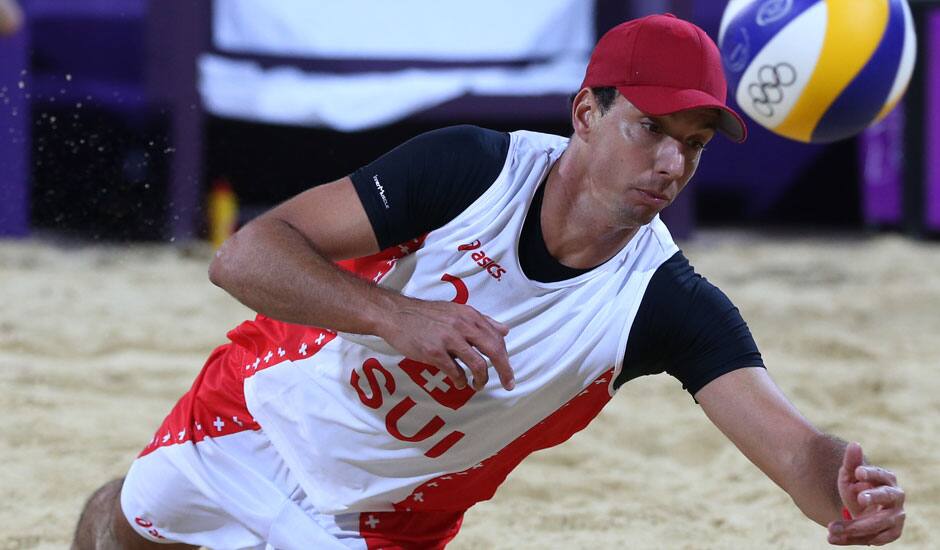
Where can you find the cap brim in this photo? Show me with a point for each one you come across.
(660, 100)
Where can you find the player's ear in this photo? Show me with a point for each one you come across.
(583, 112)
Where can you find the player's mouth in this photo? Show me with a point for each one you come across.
(654, 198)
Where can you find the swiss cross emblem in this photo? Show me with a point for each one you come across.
(436, 384)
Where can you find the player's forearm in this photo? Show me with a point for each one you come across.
(814, 487)
(271, 268)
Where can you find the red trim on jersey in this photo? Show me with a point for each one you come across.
(460, 490)
(404, 530)
(215, 404)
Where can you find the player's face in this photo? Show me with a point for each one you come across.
(640, 163)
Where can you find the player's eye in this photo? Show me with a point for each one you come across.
(696, 144)
(652, 127)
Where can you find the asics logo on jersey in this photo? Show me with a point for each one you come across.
(470, 246)
(495, 270)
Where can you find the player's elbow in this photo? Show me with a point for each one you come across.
(217, 270)
(229, 262)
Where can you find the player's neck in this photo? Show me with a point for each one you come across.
(577, 232)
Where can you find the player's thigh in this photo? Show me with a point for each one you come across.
(163, 501)
(128, 539)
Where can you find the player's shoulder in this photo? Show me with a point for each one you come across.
(676, 283)
(539, 140)
(467, 139)
(678, 290)
(676, 272)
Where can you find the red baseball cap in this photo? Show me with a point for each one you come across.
(662, 65)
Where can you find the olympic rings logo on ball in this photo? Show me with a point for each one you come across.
(772, 11)
(768, 91)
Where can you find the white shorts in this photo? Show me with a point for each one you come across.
(213, 479)
(228, 492)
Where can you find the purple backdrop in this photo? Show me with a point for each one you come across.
(932, 127)
(881, 154)
(14, 137)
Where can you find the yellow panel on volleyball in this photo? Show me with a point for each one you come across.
(848, 44)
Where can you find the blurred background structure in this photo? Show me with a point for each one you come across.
(120, 116)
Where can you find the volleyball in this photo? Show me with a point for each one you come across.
(817, 71)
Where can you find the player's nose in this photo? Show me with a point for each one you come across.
(670, 161)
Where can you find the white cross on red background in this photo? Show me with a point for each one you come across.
(435, 381)
(218, 424)
(372, 521)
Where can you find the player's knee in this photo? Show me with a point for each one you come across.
(94, 529)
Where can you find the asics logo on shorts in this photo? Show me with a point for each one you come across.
(148, 526)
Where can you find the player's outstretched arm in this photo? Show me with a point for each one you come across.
(281, 265)
(820, 472)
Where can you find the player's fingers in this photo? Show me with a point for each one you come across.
(493, 346)
(502, 328)
(450, 367)
(851, 461)
(876, 475)
(878, 539)
(885, 537)
(868, 525)
(475, 362)
(885, 495)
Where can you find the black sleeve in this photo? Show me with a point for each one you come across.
(427, 181)
(689, 328)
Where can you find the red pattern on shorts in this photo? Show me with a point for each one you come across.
(215, 404)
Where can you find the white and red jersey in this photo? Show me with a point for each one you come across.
(364, 428)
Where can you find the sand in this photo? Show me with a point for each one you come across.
(97, 343)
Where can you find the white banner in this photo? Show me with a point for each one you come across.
(445, 30)
(286, 95)
(554, 36)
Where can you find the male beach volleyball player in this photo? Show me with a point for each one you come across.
(540, 257)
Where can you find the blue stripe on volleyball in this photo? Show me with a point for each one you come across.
(864, 97)
(738, 50)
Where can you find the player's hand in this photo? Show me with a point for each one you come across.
(439, 333)
(874, 499)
